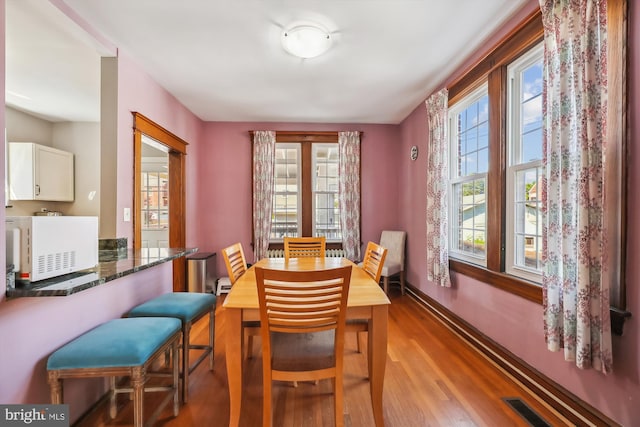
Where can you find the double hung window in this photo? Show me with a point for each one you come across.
(286, 218)
(469, 132)
(524, 171)
(494, 195)
(305, 199)
(495, 133)
(326, 206)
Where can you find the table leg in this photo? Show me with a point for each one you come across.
(233, 349)
(377, 359)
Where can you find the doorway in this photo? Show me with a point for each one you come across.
(159, 199)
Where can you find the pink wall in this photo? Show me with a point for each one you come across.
(222, 211)
(513, 322)
(138, 92)
(393, 196)
(32, 328)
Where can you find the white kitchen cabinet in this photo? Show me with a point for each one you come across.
(38, 172)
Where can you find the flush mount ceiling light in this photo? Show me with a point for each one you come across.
(306, 40)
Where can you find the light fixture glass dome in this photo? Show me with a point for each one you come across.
(306, 40)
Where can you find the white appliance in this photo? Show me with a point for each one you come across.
(51, 246)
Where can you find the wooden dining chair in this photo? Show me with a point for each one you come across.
(304, 247)
(303, 317)
(236, 266)
(235, 261)
(373, 263)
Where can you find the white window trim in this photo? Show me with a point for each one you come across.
(454, 180)
(314, 159)
(513, 116)
(298, 147)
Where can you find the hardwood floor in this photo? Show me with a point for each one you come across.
(433, 378)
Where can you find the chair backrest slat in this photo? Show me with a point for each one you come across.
(304, 247)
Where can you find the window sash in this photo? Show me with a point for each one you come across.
(317, 183)
(524, 146)
(524, 222)
(467, 213)
(468, 228)
(287, 198)
(325, 178)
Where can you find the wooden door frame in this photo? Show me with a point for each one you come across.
(177, 203)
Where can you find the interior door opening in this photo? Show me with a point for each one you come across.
(159, 193)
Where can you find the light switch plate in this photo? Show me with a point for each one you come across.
(127, 214)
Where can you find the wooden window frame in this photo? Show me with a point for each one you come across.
(306, 139)
(177, 198)
(492, 68)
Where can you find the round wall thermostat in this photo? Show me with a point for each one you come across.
(414, 152)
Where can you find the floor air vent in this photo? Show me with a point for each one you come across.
(526, 412)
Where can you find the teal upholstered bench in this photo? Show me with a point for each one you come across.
(120, 347)
(189, 307)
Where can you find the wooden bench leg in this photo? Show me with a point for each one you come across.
(176, 379)
(137, 382)
(185, 361)
(113, 409)
(212, 333)
(55, 386)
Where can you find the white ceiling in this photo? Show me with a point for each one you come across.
(223, 59)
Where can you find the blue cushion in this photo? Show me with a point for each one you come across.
(183, 305)
(116, 343)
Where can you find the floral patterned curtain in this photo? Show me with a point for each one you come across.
(264, 152)
(349, 193)
(575, 278)
(437, 178)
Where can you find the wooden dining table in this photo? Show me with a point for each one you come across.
(366, 301)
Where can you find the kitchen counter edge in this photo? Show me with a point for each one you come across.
(109, 268)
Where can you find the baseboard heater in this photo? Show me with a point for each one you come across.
(330, 253)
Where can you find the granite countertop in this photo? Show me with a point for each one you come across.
(113, 265)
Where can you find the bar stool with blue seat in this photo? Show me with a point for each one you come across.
(189, 307)
(121, 347)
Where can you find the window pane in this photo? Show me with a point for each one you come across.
(483, 160)
(285, 216)
(473, 138)
(155, 200)
(527, 222)
(326, 213)
(528, 121)
(469, 221)
(524, 232)
(532, 145)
